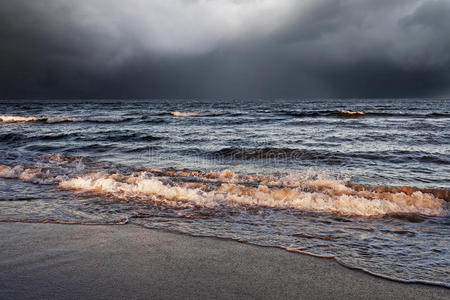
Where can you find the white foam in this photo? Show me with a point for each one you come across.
(34, 175)
(303, 192)
(195, 114)
(48, 119)
(58, 119)
(136, 186)
(20, 119)
(184, 114)
(336, 198)
(351, 112)
(347, 204)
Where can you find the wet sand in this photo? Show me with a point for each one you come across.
(52, 261)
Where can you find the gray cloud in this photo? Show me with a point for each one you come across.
(224, 48)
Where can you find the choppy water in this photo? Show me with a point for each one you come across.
(314, 176)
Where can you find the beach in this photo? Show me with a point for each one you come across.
(54, 261)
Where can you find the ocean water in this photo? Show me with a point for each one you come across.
(364, 182)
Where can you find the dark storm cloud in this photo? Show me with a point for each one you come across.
(224, 48)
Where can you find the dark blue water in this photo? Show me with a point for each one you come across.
(315, 176)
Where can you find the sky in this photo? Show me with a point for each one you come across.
(224, 49)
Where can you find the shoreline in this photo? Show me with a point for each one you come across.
(291, 250)
(42, 260)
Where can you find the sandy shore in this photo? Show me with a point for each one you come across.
(50, 261)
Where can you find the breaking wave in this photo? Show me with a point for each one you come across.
(310, 192)
(350, 114)
(48, 119)
(361, 114)
(62, 119)
(195, 114)
(328, 196)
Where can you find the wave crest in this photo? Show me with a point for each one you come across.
(325, 196)
(361, 114)
(194, 114)
(20, 119)
(61, 119)
(309, 191)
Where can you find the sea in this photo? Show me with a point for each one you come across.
(362, 181)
